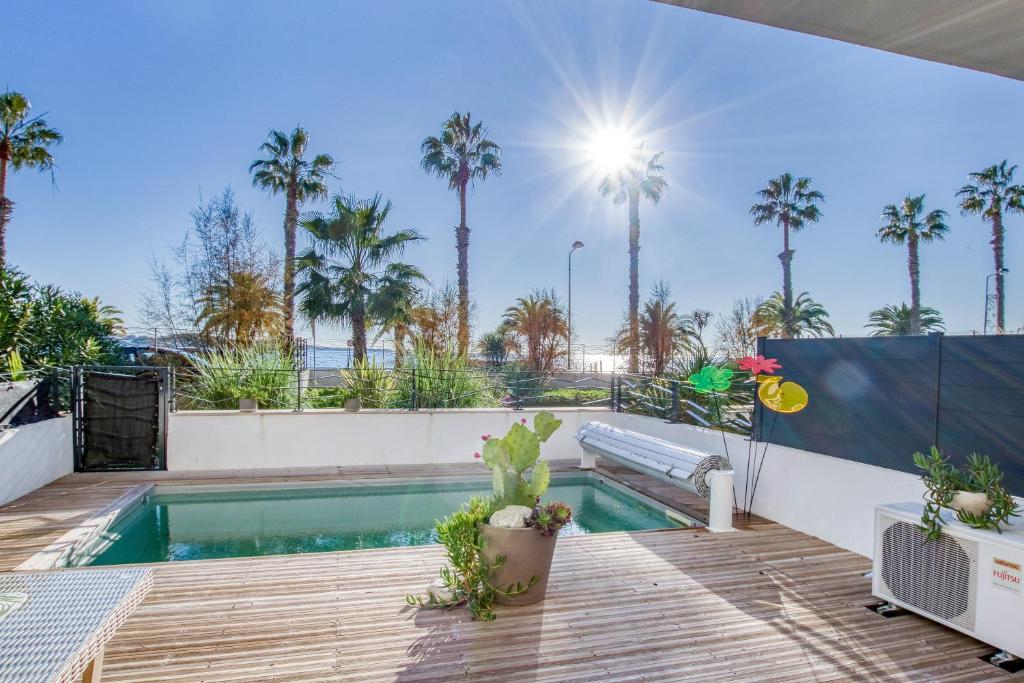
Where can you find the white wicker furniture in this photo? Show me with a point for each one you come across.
(58, 632)
(706, 474)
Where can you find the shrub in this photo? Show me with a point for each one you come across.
(444, 380)
(263, 371)
(44, 326)
(572, 396)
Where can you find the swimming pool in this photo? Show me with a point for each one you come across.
(174, 523)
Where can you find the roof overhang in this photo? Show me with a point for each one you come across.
(984, 35)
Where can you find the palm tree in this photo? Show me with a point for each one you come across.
(992, 194)
(350, 274)
(805, 318)
(105, 314)
(640, 177)
(664, 332)
(539, 321)
(790, 203)
(908, 224)
(461, 154)
(495, 346)
(895, 321)
(24, 143)
(243, 308)
(300, 180)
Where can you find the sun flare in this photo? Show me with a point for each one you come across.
(610, 149)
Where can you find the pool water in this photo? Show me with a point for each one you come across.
(167, 527)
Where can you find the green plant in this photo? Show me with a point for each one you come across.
(466, 580)
(42, 325)
(944, 480)
(444, 380)
(374, 385)
(572, 396)
(510, 456)
(263, 371)
(548, 519)
(325, 397)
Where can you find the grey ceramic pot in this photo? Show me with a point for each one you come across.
(527, 554)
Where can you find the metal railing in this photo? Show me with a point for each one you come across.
(417, 388)
(675, 400)
(406, 388)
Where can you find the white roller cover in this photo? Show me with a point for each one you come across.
(667, 460)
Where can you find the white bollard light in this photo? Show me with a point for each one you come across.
(720, 515)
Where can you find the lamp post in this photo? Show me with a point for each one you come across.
(568, 346)
(988, 302)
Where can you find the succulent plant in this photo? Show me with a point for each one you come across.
(512, 455)
(548, 519)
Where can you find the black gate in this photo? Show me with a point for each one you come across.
(120, 418)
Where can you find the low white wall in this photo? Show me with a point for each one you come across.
(34, 455)
(831, 498)
(215, 440)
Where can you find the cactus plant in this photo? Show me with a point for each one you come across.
(512, 455)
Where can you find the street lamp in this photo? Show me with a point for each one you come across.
(1001, 271)
(568, 347)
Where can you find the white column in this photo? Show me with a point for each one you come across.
(588, 460)
(720, 515)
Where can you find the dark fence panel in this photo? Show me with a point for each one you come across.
(877, 400)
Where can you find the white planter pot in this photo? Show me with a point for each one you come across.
(971, 502)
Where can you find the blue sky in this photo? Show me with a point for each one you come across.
(161, 101)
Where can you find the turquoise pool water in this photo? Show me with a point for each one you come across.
(167, 527)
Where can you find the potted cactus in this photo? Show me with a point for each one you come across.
(500, 549)
(509, 534)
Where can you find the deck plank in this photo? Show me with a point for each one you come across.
(765, 604)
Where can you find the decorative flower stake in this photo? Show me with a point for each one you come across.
(710, 379)
(759, 364)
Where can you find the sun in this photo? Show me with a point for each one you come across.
(610, 149)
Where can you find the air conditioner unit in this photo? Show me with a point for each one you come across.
(968, 579)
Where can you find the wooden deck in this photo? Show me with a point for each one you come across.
(765, 603)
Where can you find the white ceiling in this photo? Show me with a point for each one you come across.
(984, 35)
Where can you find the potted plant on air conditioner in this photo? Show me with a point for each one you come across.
(973, 492)
(500, 549)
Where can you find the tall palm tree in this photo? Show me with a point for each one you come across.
(909, 224)
(992, 194)
(792, 204)
(24, 143)
(805, 318)
(895, 321)
(241, 308)
(639, 178)
(462, 154)
(287, 172)
(350, 272)
(539, 321)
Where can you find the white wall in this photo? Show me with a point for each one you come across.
(34, 455)
(212, 440)
(831, 498)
